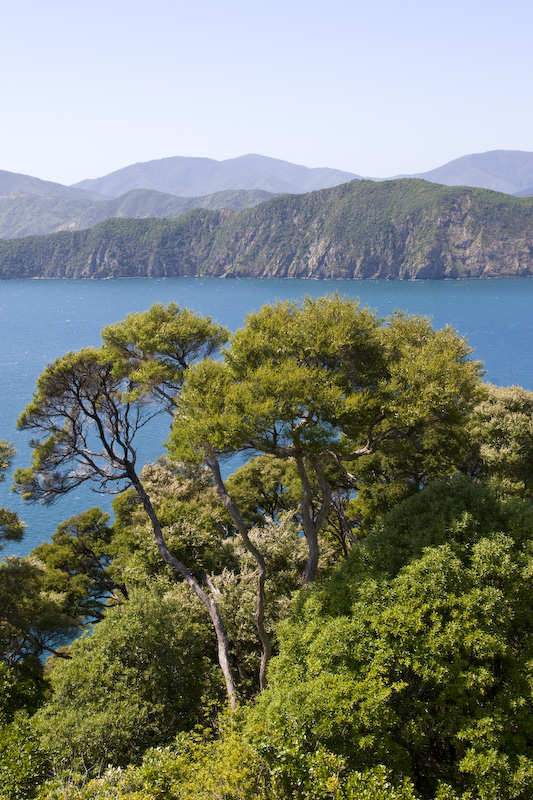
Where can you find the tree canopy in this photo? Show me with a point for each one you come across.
(425, 668)
(327, 384)
(11, 527)
(88, 415)
(370, 464)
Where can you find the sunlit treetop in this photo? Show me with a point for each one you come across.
(155, 347)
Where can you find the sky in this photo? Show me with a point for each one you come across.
(377, 88)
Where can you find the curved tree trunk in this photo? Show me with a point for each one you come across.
(259, 614)
(209, 602)
(312, 524)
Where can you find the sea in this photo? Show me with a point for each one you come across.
(41, 320)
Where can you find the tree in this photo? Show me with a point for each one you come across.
(323, 385)
(155, 348)
(11, 528)
(326, 385)
(319, 386)
(265, 486)
(23, 764)
(502, 435)
(88, 418)
(197, 529)
(424, 667)
(146, 672)
(199, 532)
(33, 622)
(77, 565)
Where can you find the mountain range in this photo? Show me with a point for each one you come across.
(167, 187)
(509, 171)
(35, 214)
(398, 229)
(188, 177)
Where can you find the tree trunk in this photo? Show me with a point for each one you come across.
(209, 602)
(311, 567)
(259, 614)
(311, 523)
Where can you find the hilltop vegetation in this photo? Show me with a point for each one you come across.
(345, 617)
(33, 214)
(168, 187)
(407, 229)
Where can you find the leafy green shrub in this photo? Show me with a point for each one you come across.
(140, 677)
(427, 671)
(22, 762)
(195, 767)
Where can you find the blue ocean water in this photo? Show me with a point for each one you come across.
(40, 320)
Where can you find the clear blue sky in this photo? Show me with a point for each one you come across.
(379, 87)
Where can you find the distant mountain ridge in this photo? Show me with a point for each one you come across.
(166, 188)
(14, 183)
(188, 177)
(402, 229)
(509, 171)
(31, 215)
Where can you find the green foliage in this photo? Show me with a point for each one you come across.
(197, 527)
(195, 766)
(32, 621)
(229, 767)
(6, 454)
(456, 512)
(331, 333)
(77, 565)
(350, 403)
(22, 762)
(431, 373)
(502, 430)
(134, 682)
(376, 784)
(265, 486)
(199, 530)
(297, 378)
(427, 401)
(155, 347)
(364, 229)
(22, 694)
(285, 556)
(23, 765)
(427, 672)
(11, 528)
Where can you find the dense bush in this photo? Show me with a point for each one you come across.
(140, 677)
(23, 763)
(427, 671)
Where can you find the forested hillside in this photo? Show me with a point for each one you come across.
(26, 214)
(347, 615)
(407, 229)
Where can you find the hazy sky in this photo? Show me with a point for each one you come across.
(379, 88)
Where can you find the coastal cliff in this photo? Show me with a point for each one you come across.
(400, 229)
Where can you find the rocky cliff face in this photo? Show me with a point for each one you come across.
(403, 229)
